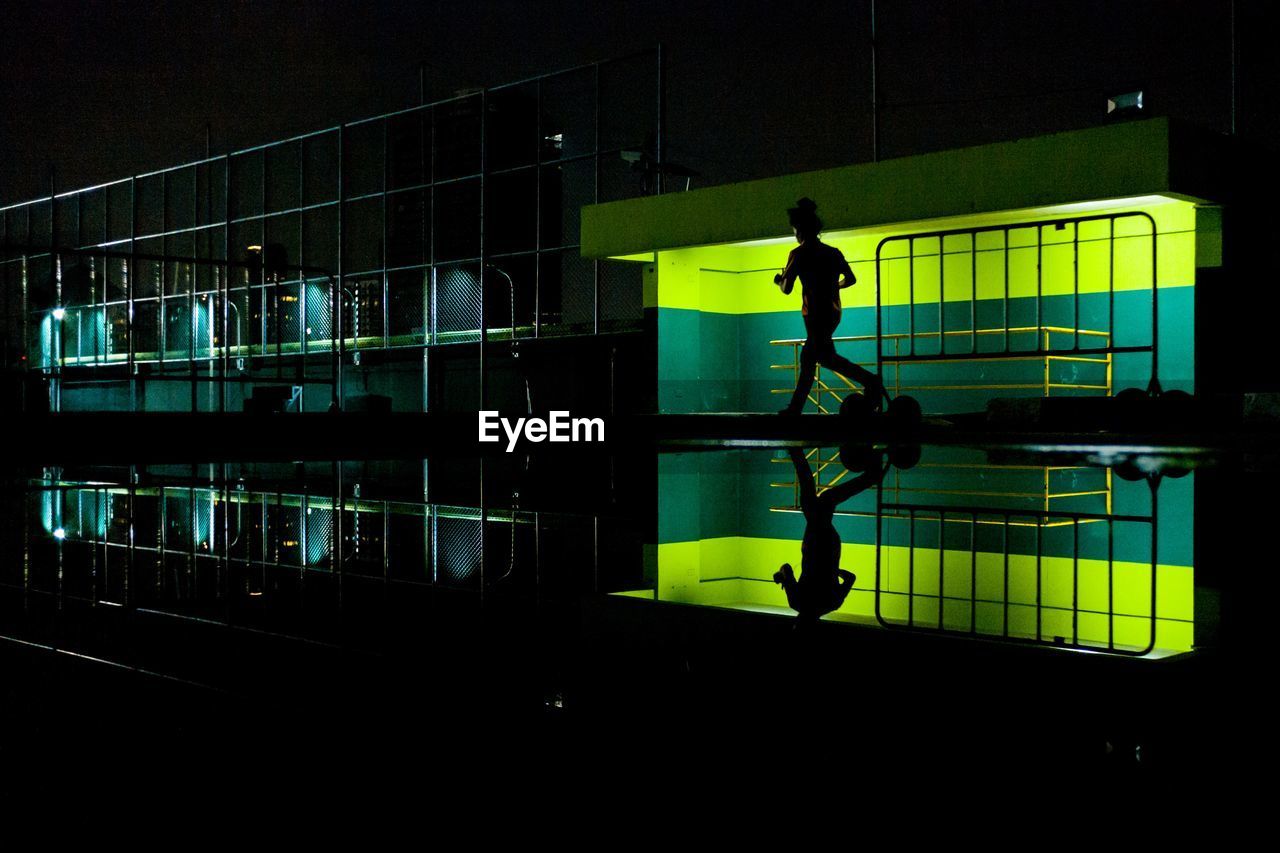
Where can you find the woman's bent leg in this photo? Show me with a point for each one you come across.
(804, 382)
(871, 384)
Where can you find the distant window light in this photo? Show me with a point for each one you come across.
(1128, 102)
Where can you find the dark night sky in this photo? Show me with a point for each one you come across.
(105, 89)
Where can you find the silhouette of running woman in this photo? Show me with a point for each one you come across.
(823, 585)
(823, 273)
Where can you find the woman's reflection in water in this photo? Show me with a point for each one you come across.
(822, 586)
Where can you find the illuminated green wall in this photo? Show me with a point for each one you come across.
(722, 534)
(737, 572)
(711, 254)
(718, 309)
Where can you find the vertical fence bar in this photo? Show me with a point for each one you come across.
(131, 541)
(262, 265)
(911, 566)
(537, 228)
(1039, 594)
(1155, 555)
(1039, 279)
(911, 296)
(1154, 386)
(80, 260)
(386, 167)
(162, 337)
(942, 295)
(1005, 309)
(1075, 286)
(337, 333)
(973, 573)
(336, 563)
(1111, 607)
(973, 292)
(942, 564)
(303, 335)
(226, 291)
(1004, 546)
(4, 289)
(56, 324)
(879, 322)
(192, 321)
(1111, 282)
(484, 325)
(1075, 582)
(25, 307)
(1043, 339)
(879, 511)
(429, 282)
(595, 264)
(129, 291)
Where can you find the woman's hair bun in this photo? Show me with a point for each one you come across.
(804, 216)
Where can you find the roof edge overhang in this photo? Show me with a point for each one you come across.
(1135, 158)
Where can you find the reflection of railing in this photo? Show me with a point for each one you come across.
(1037, 542)
(827, 396)
(1051, 615)
(1008, 329)
(129, 543)
(1050, 491)
(202, 583)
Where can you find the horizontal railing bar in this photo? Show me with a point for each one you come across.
(1019, 513)
(1065, 330)
(905, 359)
(1018, 226)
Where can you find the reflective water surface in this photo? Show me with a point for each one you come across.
(956, 603)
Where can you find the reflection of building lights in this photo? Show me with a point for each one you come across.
(60, 534)
(59, 313)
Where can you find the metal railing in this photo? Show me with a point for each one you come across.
(207, 333)
(1007, 330)
(394, 204)
(827, 396)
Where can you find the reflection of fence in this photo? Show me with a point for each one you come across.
(827, 395)
(1016, 552)
(927, 580)
(1019, 264)
(1034, 487)
(252, 557)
